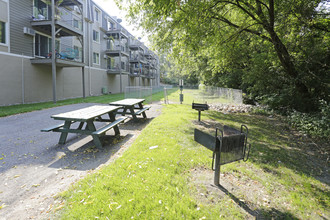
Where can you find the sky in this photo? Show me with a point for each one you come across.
(111, 8)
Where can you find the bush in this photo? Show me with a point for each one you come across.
(313, 124)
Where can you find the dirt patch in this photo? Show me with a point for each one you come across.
(34, 168)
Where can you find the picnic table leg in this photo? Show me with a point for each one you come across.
(143, 113)
(124, 111)
(80, 125)
(116, 128)
(96, 138)
(64, 134)
(131, 109)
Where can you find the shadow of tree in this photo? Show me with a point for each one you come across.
(274, 145)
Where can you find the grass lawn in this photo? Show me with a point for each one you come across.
(22, 108)
(166, 175)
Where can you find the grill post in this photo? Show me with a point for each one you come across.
(228, 147)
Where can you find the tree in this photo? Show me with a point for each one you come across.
(192, 30)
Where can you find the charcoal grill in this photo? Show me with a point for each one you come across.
(228, 145)
(200, 107)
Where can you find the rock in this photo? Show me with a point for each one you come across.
(230, 108)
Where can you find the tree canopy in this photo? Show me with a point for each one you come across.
(278, 52)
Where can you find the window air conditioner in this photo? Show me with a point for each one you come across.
(29, 31)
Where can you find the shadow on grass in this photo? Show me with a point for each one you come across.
(274, 145)
(258, 213)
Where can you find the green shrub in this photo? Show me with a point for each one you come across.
(313, 124)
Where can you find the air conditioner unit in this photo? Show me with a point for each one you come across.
(29, 31)
(105, 36)
(105, 56)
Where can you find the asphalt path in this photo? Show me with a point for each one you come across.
(34, 168)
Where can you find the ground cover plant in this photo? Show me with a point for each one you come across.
(166, 175)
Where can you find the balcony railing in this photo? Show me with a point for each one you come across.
(118, 48)
(116, 69)
(117, 31)
(72, 24)
(63, 52)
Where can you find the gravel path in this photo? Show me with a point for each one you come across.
(34, 168)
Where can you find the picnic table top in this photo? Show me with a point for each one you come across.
(85, 114)
(127, 102)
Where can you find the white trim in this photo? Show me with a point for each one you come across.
(98, 60)
(15, 55)
(99, 37)
(99, 14)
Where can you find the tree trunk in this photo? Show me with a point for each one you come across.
(290, 69)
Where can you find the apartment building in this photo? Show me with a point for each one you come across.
(94, 53)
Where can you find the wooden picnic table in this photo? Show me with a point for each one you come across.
(87, 116)
(130, 105)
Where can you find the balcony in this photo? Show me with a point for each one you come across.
(136, 45)
(115, 51)
(66, 23)
(137, 59)
(67, 57)
(135, 72)
(117, 33)
(117, 70)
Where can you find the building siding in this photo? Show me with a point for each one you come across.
(20, 17)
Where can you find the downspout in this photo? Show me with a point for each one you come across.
(23, 89)
(83, 53)
(89, 58)
(53, 52)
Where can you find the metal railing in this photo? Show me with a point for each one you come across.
(62, 14)
(62, 52)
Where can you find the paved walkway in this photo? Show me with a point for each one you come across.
(34, 168)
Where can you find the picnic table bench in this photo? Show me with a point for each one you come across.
(87, 116)
(130, 105)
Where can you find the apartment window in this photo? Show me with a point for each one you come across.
(97, 15)
(96, 58)
(110, 25)
(96, 36)
(75, 23)
(2, 32)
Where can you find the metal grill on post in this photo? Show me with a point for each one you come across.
(229, 146)
(200, 107)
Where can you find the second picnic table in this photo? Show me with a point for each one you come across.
(130, 105)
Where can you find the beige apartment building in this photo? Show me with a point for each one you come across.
(94, 53)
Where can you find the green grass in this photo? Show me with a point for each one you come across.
(23, 108)
(156, 183)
